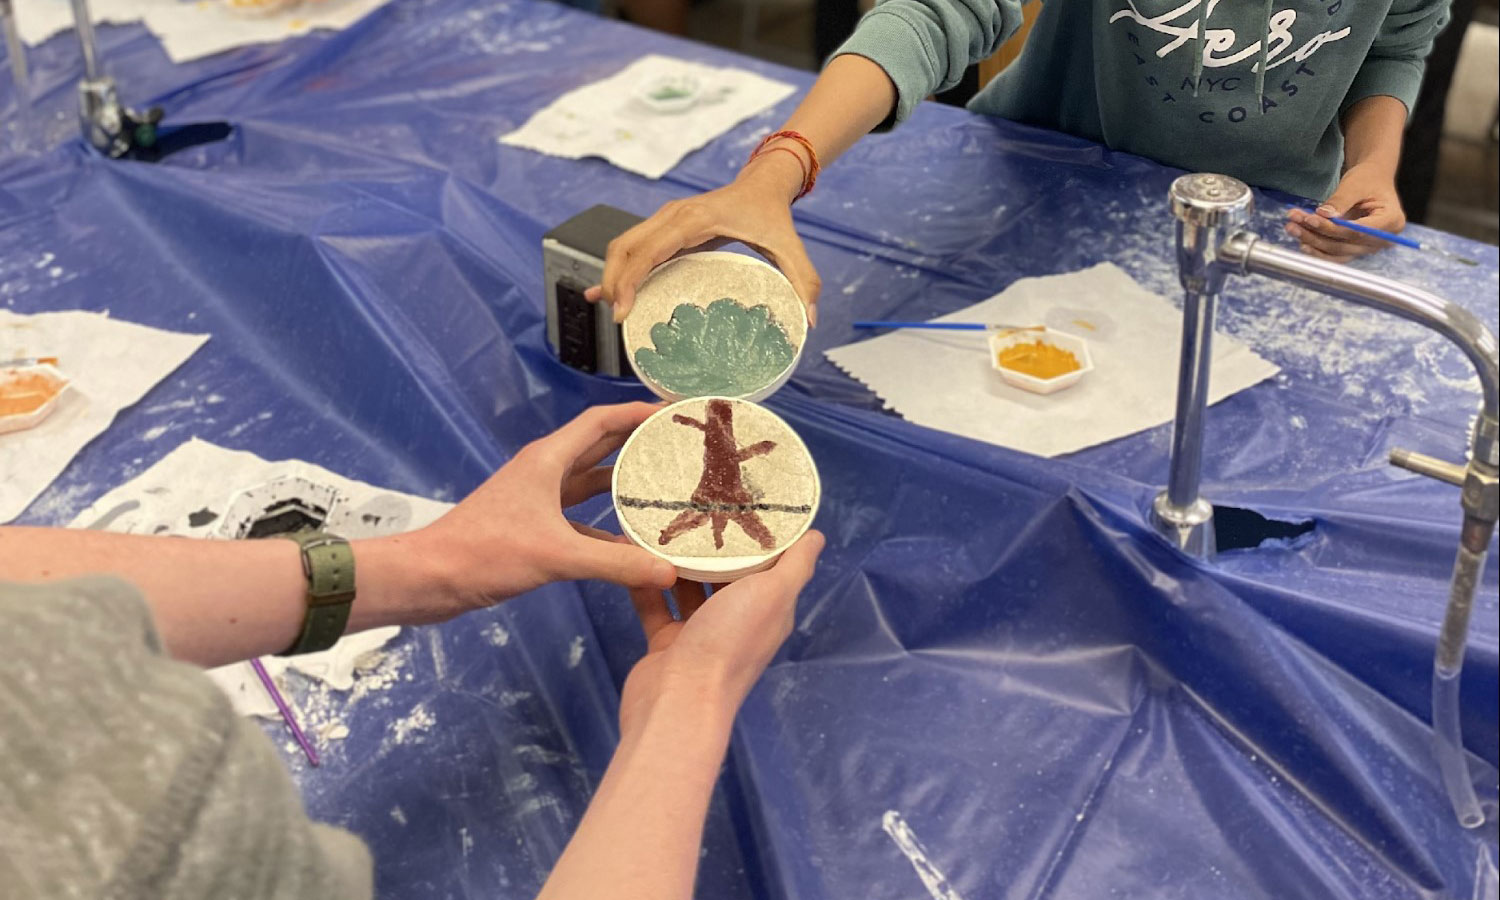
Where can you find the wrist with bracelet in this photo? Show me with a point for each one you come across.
(810, 167)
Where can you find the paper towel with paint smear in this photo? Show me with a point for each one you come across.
(200, 490)
(608, 119)
(112, 365)
(944, 380)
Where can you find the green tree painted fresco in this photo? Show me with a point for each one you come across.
(726, 349)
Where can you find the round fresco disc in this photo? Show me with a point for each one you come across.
(715, 324)
(716, 486)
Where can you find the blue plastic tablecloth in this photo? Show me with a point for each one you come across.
(995, 647)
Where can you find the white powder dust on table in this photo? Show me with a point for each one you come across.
(496, 634)
(411, 727)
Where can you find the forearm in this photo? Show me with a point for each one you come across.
(1372, 135)
(216, 602)
(640, 837)
(850, 98)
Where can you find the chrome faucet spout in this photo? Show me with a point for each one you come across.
(1247, 254)
(1210, 247)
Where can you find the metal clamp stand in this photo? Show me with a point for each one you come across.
(109, 127)
(1211, 246)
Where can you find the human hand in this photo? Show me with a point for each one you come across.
(1364, 196)
(754, 209)
(510, 535)
(722, 645)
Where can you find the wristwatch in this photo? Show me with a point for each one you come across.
(328, 563)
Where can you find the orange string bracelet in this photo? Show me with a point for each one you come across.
(810, 176)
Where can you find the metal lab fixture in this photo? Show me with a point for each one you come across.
(15, 51)
(1211, 245)
(109, 127)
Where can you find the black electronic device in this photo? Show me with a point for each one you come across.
(583, 334)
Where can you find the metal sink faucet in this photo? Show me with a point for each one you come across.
(1212, 244)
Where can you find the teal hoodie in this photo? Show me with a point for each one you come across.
(1143, 77)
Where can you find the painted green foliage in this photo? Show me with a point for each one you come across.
(727, 350)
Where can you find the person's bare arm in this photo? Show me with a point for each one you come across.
(219, 601)
(216, 602)
(1367, 190)
(1372, 135)
(850, 98)
(640, 837)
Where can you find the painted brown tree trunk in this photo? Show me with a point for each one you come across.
(721, 496)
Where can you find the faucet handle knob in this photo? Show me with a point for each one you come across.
(1211, 201)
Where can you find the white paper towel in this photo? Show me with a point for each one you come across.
(944, 380)
(37, 20)
(112, 364)
(192, 30)
(189, 491)
(607, 119)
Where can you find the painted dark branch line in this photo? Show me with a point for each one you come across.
(642, 503)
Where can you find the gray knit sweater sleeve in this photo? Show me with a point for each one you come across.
(124, 774)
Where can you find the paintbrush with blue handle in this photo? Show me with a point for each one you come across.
(1398, 239)
(951, 326)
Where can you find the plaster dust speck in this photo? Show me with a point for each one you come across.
(412, 727)
(663, 481)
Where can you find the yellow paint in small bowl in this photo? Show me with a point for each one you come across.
(1042, 362)
(28, 394)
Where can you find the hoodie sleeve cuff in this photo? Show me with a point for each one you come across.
(1399, 78)
(887, 40)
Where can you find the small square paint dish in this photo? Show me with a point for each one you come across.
(715, 324)
(1042, 362)
(29, 394)
(718, 487)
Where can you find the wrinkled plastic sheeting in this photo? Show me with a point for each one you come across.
(995, 652)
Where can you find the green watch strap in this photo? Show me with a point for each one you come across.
(328, 563)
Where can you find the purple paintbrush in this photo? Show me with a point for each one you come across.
(286, 711)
